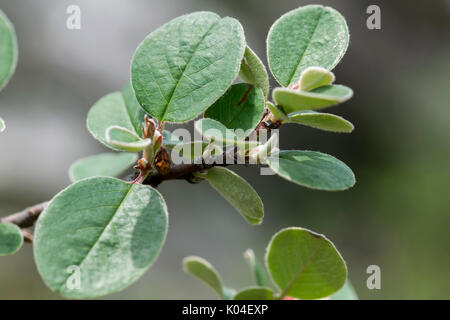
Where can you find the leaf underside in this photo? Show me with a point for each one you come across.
(253, 71)
(8, 50)
(11, 239)
(323, 121)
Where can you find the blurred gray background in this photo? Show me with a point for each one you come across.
(397, 216)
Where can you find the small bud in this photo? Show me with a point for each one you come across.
(148, 129)
(157, 138)
(162, 161)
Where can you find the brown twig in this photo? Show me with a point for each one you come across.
(26, 218)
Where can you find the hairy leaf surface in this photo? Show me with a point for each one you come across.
(253, 71)
(323, 121)
(11, 239)
(8, 50)
(204, 271)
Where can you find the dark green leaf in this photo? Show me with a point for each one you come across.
(183, 67)
(253, 71)
(11, 239)
(254, 293)
(304, 264)
(109, 230)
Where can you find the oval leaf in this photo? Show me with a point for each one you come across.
(295, 100)
(11, 239)
(257, 271)
(347, 292)
(323, 121)
(253, 71)
(315, 77)
(203, 270)
(103, 232)
(312, 169)
(8, 50)
(214, 130)
(183, 67)
(309, 36)
(237, 192)
(277, 112)
(304, 264)
(102, 165)
(2, 125)
(254, 293)
(115, 109)
(241, 107)
(125, 140)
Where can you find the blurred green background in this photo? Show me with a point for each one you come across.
(397, 216)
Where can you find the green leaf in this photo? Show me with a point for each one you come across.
(11, 239)
(312, 169)
(170, 140)
(8, 50)
(108, 230)
(315, 77)
(257, 271)
(237, 192)
(2, 125)
(347, 292)
(304, 264)
(115, 109)
(125, 140)
(195, 149)
(215, 131)
(103, 164)
(323, 121)
(228, 293)
(295, 100)
(183, 67)
(253, 71)
(254, 293)
(278, 113)
(241, 107)
(308, 36)
(203, 270)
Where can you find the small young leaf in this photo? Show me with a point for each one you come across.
(196, 149)
(2, 125)
(115, 109)
(294, 100)
(323, 121)
(254, 293)
(203, 270)
(257, 271)
(311, 169)
(253, 71)
(241, 107)
(214, 130)
(278, 113)
(125, 140)
(308, 36)
(11, 239)
(183, 67)
(315, 77)
(169, 140)
(101, 231)
(8, 50)
(304, 264)
(347, 292)
(104, 164)
(237, 192)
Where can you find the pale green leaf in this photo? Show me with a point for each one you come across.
(228, 293)
(254, 293)
(241, 107)
(170, 140)
(204, 271)
(304, 264)
(294, 100)
(237, 192)
(323, 121)
(115, 109)
(104, 230)
(308, 36)
(312, 169)
(315, 77)
(183, 67)
(347, 292)
(253, 71)
(2, 125)
(256, 270)
(102, 165)
(125, 140)
(8, 50)
(195, 149)
(11, 239)
(278, 113)
(214, 130)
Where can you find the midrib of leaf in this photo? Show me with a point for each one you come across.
(101, 234)
(299, 273)
(307, 46)
(185, 68)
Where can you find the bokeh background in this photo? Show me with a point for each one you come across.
(397, 216)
